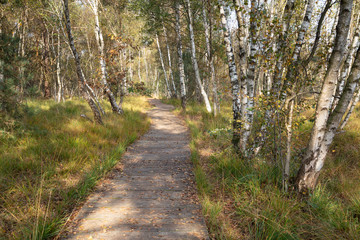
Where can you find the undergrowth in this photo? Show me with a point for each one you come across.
(243, 199)
(51, 159)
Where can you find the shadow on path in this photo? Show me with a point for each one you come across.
(154, 196)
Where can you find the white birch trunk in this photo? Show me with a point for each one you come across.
(126, 71)
(337, 115)
(210, 61)
(157, 83)
(170, 64)
(350, 110)
(286, 167)
(163, 66)
(194, 59)
(60, 92)
(250, 78)
(180, 56)
(146, 65)
(131, 74)
(347, 65)
(92, 104)
(100, 42)
(236, 105)
(313, 160)
(139, 66)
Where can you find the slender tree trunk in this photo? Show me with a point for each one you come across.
(194, 59)
(22, 48)
(286, 167)
(60, 92)
(146, 65)
(163, 67)
(243, 54)
(46, 62)
(130, 67)
(139, 66)
(318, 32)
(337, 115)
(157, 83)
(82, 81)
(170, 64)
(126, 79)
(314, 158)
(350, 110)
(347, 65)
(236, 105)
(91, 64)
(250, 78)
(100, 43)
(180, 56)
(209, 59)
(123, 81)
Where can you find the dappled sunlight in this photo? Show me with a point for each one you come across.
(153, 196)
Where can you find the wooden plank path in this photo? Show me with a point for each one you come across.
(154, 196)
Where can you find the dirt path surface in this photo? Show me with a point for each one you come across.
(154, 195)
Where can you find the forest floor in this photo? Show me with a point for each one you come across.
(151, 193)
(243, 199)
(51, 159)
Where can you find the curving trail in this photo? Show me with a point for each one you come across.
(154, 196)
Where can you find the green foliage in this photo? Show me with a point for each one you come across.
(139, 88)
(9, 96)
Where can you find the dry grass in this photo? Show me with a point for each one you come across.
(52, 159)
(243, 199)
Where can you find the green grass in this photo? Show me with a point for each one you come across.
(243, 199)
(53, 158)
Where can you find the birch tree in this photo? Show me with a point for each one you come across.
(100, 43)
(180, 55)
(235, 88)
(194, 59)
(320, 139)
(170, 64)
(210, 60)
(81, 79)
(163, 66)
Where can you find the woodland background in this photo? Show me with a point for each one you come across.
(268, 88)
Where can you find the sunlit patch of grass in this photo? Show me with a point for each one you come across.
(242, 199)
(52, 160)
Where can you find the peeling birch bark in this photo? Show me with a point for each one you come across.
(250, 77)
(313, 160)
(236, 104)
(347, 65)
